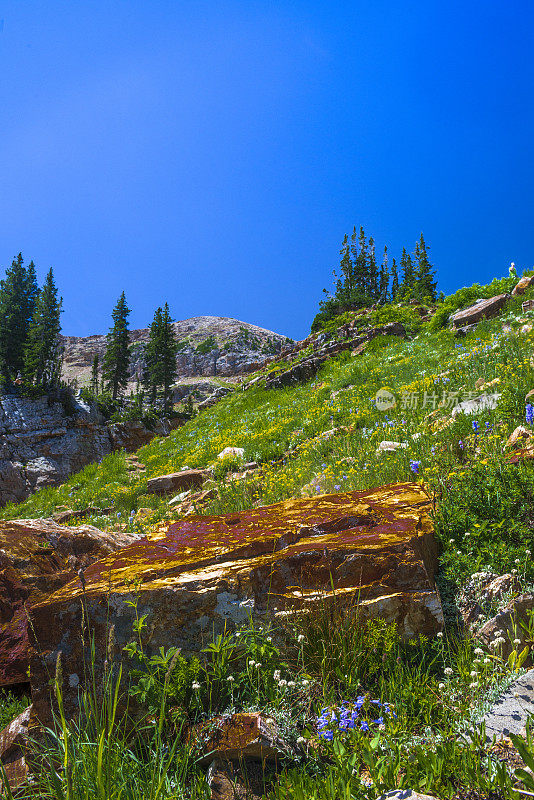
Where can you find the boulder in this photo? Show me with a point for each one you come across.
(523, 284)
(232, 452)
(519, 437)
(13, 750)
(238, 736)
(482, 309)
(201, 575)
(177, 481)
(132, 435)
(486, 402)
(37, 557)
(508, 623)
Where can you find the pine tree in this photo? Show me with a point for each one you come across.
(18, 294)
(345, 265)
(425, 284)
(407, 285)
(394, 281)
(362, 264)
(43, 352)
(374, 288)
(95, 375)
(117, 356)
(384, 278)
(160, 357)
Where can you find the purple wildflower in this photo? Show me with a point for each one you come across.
(529, 413)
(415, 466)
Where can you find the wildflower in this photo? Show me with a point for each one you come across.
(517, 642)
(474, 674)
(473, 685)
(514, 572)
(475, 426)
(305, 682)
(441, 686)
(291, 683)
(195, 686)
(439, 634)
(487, 661)
(461, 445)
(527, 552)
(230, 679)
(251, 662)
(415, 466)
(448, 671)
(301, 740)
(364, 726)
(479, 651)
(300, 638)
(529, 413)
(276, 675)
(517, 561)
(282, 683)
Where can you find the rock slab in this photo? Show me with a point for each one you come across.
(483, 309)
(511, 711)
(37, 557)
(202, 575)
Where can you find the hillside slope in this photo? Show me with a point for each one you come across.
(330, 434)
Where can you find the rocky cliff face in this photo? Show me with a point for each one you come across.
(44, 441)
(207, 346)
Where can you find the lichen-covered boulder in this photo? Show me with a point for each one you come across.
(37, 557)
(196, 576)
(482, 309)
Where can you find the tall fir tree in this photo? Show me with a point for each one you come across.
(373, 273)
(425, 284)
(384, 278)
(345, 283)
(18, 295)
(362, 264)
(160, 357)
(95, 372)
(394, 280)
(408, 277)
(43, 351)
(115, 368)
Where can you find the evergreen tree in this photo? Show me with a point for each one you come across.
(394, 280)
(117, 357)
(160, 356)
(346, 287)
(384, 278)
(425, 285)
(18, 294)
(362, 264)
(407, 285)
(43, 352)
(373, 275)
(95, 375)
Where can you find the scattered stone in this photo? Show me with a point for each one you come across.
(91, 511)
(177, 481)
(390, 447)
(141, 513)
(232, 452)
(509, 622)
(405, 794)
(37, 557)
(192, 502)
(207, 574)
(519, 437)
(13, 750)
(482, 309)
(510, 713)
(522, 286)
(239, 736)
(528, 305)
(179, 497)
(486, 402)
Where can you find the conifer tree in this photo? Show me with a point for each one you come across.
(117, 358)
(373, 289)
(406, 289)
(95, 375)
(18, 294)
(394, 280)
(160, 356)
(43, 352)
(362, 264)
(346, 286)
(384, 278)
(424, 284)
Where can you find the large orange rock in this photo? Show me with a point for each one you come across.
(37, 557)
(196, 576)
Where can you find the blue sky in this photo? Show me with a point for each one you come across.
(213, 153)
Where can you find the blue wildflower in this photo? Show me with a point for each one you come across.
(415, 466)
(475, 426)
(364, 726)
(529, 413)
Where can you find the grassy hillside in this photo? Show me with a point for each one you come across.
(323, 437)
(325, 676)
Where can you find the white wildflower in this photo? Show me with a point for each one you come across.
(448, 671)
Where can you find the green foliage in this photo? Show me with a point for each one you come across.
(117, 358)
(18, 295)
(160, 357)
(11, 706)
(42, 352)
(207, 346)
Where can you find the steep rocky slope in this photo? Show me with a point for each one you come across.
(207, 346)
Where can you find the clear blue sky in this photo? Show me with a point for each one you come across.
(213, 153)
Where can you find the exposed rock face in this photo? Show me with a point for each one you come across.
(522, 286)
(43, 442)
(12, 750)
(177, 481)
(207, 346)
(483, 309)
(306, 369)
(199, 575)
(37, 557)
(239, 736)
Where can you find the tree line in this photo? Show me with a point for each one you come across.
(361, 281)
(31, 351)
